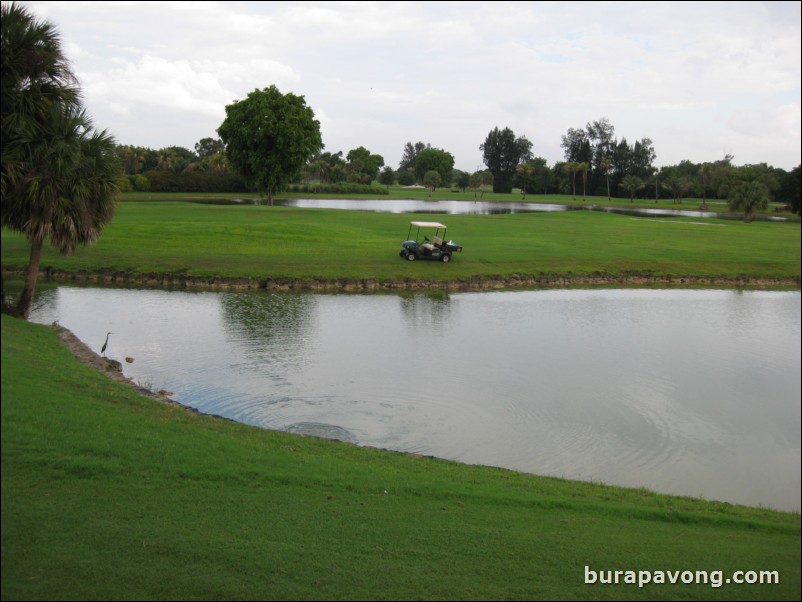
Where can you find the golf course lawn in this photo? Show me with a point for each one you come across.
(172, 241)
(110, 495)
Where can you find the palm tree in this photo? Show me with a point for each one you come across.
(35, 76)
(749, 197)
(583, 167)
(572, 167)
(59, 178)
(525, 171)
(65, 189)
(632, 184)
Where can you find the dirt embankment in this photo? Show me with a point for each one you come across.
(184, 281)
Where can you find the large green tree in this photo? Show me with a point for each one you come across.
(502, 153)
(269, 138)
(59, 176)
(364, 165)
(434, 159)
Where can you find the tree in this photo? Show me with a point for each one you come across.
(461, 179)
(503, 152)
(208, 147)
(59, 177)
(605, 167)
(524, 172)
(410, 155)
(475, 182)
(35, 76)
(65, 192)
(367, 165)
(431, 179)
(434, 159)
(791, 189)
(572, 167)
(584, 167)
(749, 197)
(387, 177)
(676, 185)
(269, 138)
(632, 184)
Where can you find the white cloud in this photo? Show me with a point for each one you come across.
(691, 76)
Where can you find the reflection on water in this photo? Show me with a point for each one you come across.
(688, 392)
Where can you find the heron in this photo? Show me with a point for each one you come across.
(105, 344)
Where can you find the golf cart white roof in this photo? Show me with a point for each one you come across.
(428, 224)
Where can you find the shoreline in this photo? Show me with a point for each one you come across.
(170, 281)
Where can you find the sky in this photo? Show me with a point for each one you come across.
(700, 79)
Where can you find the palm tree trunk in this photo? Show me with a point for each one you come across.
(31, 276)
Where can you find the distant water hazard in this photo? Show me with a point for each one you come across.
(475, 207)
(681, 391)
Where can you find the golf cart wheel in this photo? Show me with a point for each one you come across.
(445, 258)
(411, 256)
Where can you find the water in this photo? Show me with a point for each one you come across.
(474, 207)
(681, 391)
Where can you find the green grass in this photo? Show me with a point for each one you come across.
(109, 495)
(259, 242)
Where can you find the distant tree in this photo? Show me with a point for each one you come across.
(406, 177)
(790, 189)
(432, 179)
(361, 161)
(208, 147)
(749, 197)
(487, 180)
(387, 177)
(705, 175)
(437, 160)
(502, 153)
(632, 184)
(524, 173)
(605, 167)
(461, 179)
(676, 185)
(269, 138)
(572, 167)
(584, 167)
(410, 154)
(576, 145)
(475, 182)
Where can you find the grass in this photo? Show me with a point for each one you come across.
(283, 243)
(110, 495)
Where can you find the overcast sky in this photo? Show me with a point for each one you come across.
(701, 79)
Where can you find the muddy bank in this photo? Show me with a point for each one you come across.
(514, 281)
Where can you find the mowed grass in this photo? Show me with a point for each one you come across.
(251, 241)
(110, 495)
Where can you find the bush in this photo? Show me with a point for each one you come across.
(338, 188)
(196, 181)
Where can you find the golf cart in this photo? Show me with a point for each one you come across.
(428, 248)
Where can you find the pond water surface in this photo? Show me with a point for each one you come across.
(693, 392)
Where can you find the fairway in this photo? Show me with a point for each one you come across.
(181, 243)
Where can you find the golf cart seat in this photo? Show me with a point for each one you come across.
(438, 241)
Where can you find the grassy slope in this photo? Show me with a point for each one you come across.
(108, 495)
(274, 242)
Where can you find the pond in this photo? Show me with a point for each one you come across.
(465, 207)
(692, 392)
